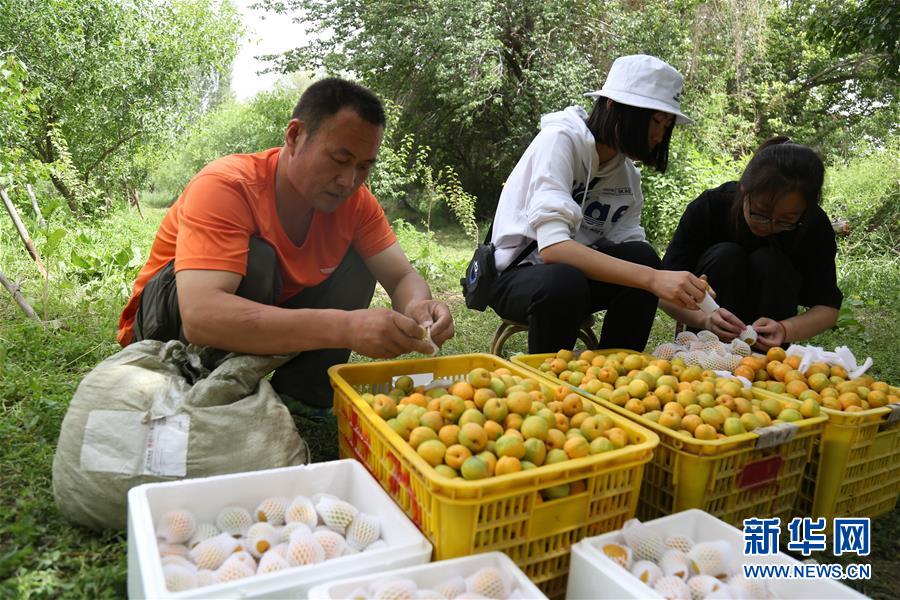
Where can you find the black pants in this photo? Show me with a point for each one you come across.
(761, 283)
(555, 299)
(305, 378)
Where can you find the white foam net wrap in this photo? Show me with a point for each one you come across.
(302, 510)
(271, 510)
(235, 520)
(335, 513)
(489, 582)
(176, 526)
(364, 530)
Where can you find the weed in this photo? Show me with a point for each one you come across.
(41, 556)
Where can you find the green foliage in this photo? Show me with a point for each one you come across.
(752, 69)
(865, 30)
(233, 128)
(475, 97)
(18, 103)
(44, 557)
(82, 197)
(690, 172)
(865, 193)
(425, 254)
(403, 175)
(117, 79)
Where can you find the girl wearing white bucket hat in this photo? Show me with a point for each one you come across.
(567, 234)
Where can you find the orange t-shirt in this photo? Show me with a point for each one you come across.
(233, 198)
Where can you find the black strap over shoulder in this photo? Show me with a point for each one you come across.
(481, 273)
(520, 257)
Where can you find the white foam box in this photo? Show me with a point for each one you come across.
(346, 479)
(432, 574)
(594, 575)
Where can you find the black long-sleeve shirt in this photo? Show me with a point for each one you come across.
(811, 247)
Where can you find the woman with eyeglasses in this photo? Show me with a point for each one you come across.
(765, 246)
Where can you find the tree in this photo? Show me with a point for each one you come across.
(116, 80)
(233, 127)
(17, 104)
(474, 76)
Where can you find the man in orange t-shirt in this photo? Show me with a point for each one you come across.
(278, 252)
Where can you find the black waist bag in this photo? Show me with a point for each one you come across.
(481, 273)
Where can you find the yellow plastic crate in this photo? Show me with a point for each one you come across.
(855, 465)
(734, 478)
(503, 513)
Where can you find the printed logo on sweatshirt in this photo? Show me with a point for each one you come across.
(578, 189)
(596, 215)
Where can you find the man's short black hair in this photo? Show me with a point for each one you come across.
(327, 96)
(625, 128)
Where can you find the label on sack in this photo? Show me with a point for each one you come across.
(118, 441)
(167, 445)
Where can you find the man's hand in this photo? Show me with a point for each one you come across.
(681, 288)
(384, 333)
(770, 333)
(434, 314)
(724, 324)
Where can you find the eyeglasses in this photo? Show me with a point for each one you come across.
(765, 220)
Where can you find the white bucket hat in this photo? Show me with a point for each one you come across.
(646, 82)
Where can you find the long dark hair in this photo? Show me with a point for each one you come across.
(625, 128)
(780, 167)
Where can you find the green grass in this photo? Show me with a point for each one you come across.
(41, 556)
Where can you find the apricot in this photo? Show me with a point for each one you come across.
(482, 395)
(513, 421)
(535, 427)
(493, 430)
(592, 428)
(690, 422)
(473, 437)
(636, 406)
(577, 447)
(385, 406)
(432, 451)
(776, 353)
(572, 405)
(556, 439)
(600, 445)
(449, 434)
(519, 403)
(475, 468)
(705, 432)
(421, 434)
(489, 459)
(479, 378)
(535, 451)
(617, 436)
(452, 408)
(472, 415)
(670, 420)
(506, 465)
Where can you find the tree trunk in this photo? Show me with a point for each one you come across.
(35, 207)
(23, 233)
(63, 189)
(134, 199)
(20, 300)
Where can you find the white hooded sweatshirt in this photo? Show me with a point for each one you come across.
(538, 201)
